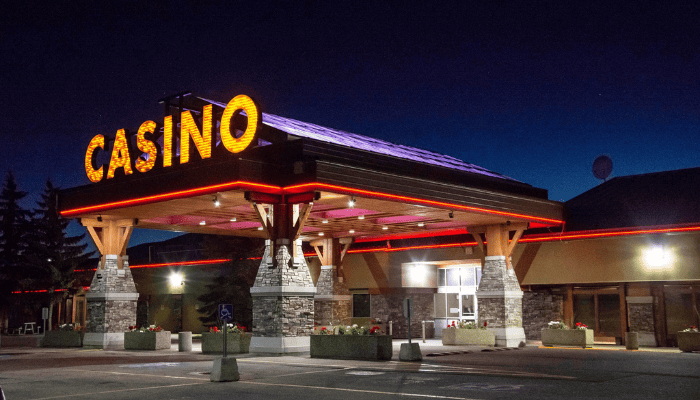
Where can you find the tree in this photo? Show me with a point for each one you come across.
(14, 233)
(237, 277)
(54, 256)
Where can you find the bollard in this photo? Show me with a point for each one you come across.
(391, 333)
(184, 341)
(423, 323)
(632, 340)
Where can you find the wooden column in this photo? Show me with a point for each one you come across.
(110, 235)
(569, 306)
(657, 291)
(623, 311)
(498, 241)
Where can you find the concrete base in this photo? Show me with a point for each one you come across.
(106, 341)
(280, 345)
(509, 337)
(224, 370)
(647, 339)
(410, 352)
(184, 341)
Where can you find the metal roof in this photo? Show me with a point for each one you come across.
(361, 142)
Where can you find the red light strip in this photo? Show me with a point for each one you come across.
(317, 185)
(171, 264)
(412, 235)
(607, 233)
(171, 196)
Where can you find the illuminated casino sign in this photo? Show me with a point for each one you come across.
(143, 158)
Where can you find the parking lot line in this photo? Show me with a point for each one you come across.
(65, 396)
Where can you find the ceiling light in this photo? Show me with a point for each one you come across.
(385, 228)
(361, 217)
(320, 234)
(203, 223)
(352, 231)
(325, 221)
(260, 228)
(217, 203)
(233, 219)
(421, 224)
(352, 202)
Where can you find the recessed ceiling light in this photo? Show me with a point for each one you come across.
(325, 221)
(320, 234)
(421, 224)
(352, 202)
(361, 217)
(352, 231)
(260, 228)
(233, 219)
(385, 228)
(203, 223)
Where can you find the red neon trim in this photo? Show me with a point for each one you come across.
(575, 235)
(421, 201)
(172, 195)
(295, 188)
(175, 263)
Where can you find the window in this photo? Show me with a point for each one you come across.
(360, 305)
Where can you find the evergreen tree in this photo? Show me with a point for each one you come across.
(14, 237)
(236, 279)
(54, 256)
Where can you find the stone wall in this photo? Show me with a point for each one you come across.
(499, 295)
(389, 307)
(641, 317)
(539, 308)
(332, 312)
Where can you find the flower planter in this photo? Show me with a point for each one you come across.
(62, 338)
(473, 337)
(567, 337)
(688, 341)
(213, 342)
(147, 340)
(352, 347)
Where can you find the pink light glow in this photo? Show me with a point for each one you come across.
(239, 225)
(400, 219)
(347, 212)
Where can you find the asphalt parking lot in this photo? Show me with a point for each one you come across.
(467, 373)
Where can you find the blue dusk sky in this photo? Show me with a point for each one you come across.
(533, 90)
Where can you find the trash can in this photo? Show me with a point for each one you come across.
(184, 341)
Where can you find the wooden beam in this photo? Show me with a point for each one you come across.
(346, 246)
(96, 238)
(300, 220)
(264, 219)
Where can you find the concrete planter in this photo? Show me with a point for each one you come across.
(213, 343)
(688, 341)
(62, 339)
(147, 340)
(351, 347)
(567, 337)
(470, 337)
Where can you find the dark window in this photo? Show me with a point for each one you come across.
(360, 306)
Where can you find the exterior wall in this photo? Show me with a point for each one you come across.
(389, 307)
(539, 308)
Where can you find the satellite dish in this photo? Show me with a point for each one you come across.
(602, 167)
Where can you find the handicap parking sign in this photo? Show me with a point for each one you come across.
(225, 312)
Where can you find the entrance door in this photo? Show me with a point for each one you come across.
(600, 312)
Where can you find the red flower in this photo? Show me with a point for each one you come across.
(215, 329)
(323, 329)
(242, 328)
(485, 324)
(453, 323)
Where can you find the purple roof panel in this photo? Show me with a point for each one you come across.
(355, 141)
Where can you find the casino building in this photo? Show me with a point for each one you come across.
(353, 225)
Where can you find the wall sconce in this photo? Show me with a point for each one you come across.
(658, 257)
(352, 202)
(176, 279)
(451, 214)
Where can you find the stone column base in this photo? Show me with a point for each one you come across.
(105, 341)
(509, 337)
(280, 345)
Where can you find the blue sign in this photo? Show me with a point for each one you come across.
(225, 312)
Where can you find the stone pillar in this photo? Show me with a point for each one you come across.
(111, 304)
(499, 301)
(283, 302)
(641, 318)
(333, 301)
